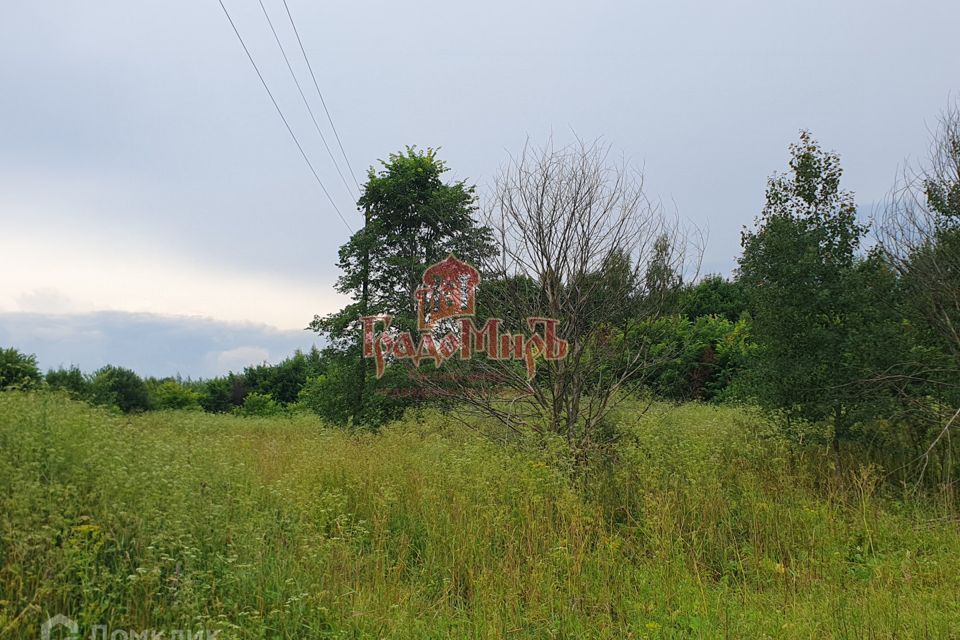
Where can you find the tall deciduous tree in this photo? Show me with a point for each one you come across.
(413, 218)
(813, 301)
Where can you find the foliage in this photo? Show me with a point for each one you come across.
(119, 387)
(661, 282)
(18, 370)
(412, 219)
(71, 380)
(819, 313)
(693, 359)
(172, 394)
(284, 380)
(713, 295)
(215, 396)
(331, 395)
(920, 237)
(259, 404)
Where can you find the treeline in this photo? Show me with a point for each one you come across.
(262, 389)
(704, 350)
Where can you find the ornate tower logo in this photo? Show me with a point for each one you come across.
(448, 291)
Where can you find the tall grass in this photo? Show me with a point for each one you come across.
(706, 524)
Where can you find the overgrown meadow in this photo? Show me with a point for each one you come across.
(709, 524)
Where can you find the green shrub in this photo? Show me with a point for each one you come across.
(713, 295)
(692, 359)
(18, 370)
(170, 394)
(71, 380)
(285, 379)
(259, 404)
(333, 395)
(119, 387)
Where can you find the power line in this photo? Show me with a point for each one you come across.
(316, 85)
(304, 97)
(282, 117)
(319, 93)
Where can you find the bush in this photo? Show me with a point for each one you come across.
(714, 295)
(259, 404)
(693, 359)
(284, 380)
(18, 370)
(333, 395)
(119, 387)
(170, 394)
(70, 380)
(222, 395)
(325, 396)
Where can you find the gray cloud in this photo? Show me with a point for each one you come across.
(155, 104)
(149, 344)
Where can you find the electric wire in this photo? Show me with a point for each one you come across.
(282, 117)
(320, 93)
(303, 96)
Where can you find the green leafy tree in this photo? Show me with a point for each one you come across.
(284, 380)
(18, 370)
(413, 218)
(817, 313)
(171, 394)
(216, 395)
(330, 395)
(120, 387)
(259, 404)
(71, 380)
(713, 295)
(662, 281)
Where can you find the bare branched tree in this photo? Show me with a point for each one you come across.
(920, 236)
(580, 243)
(920, 231)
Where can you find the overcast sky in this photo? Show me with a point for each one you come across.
(143, 168)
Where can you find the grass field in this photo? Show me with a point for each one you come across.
(708, 525)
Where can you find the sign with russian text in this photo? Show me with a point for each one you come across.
(446, 306)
